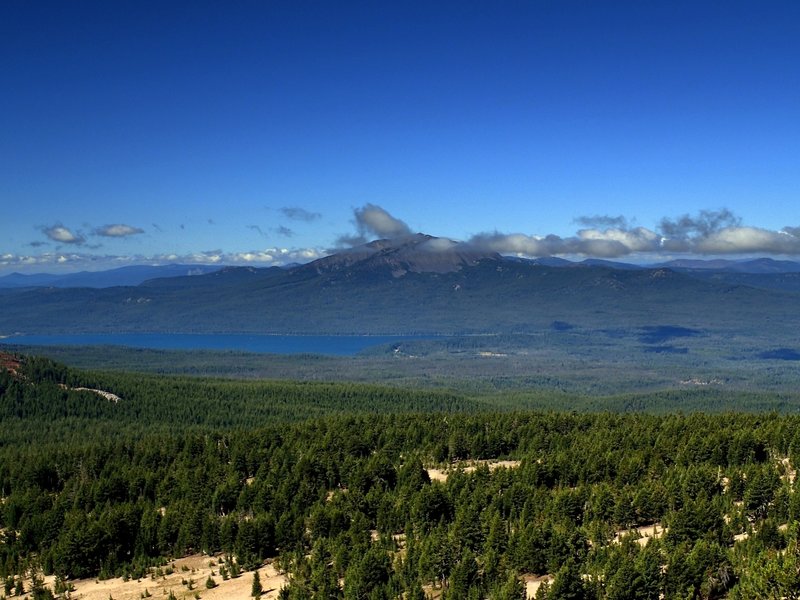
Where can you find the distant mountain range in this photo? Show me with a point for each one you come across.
(130, 275)
(760, 266)
(419, 253)
(415, 284)
(755, 266)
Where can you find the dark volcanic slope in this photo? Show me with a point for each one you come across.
(417, 253)
(415, 285)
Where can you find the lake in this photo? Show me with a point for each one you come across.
(339, 345)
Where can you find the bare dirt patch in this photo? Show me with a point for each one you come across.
(107, 395)
(196, 568)
(534, 582)
(441, 474)
(789, 474)
(642, 534)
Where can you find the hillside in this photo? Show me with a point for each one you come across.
(381, 493)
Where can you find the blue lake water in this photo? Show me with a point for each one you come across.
(340, 345)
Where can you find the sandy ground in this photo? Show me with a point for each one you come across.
(790, 473)
(107, 395)
(441, 474)
(644, 533)
(197, 567)
(437, 474)
(534, 582)
(432, 593)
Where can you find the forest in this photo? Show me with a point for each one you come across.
(360, 491)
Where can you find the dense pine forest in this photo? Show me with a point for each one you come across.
(361, 491)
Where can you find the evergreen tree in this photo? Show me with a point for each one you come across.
(256, 590)
(568, 584)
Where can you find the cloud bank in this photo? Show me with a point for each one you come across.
(266, 257)
(708, 233)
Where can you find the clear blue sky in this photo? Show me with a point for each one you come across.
(258, 131)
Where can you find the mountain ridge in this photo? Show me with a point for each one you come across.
(129, 275)
(417, 253)
(400, 286)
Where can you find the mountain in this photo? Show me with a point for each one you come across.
(418, 253)
(130, 275)
(417, 284)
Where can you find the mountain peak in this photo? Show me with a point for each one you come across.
(417, 253)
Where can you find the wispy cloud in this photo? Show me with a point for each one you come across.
(117, 230)
(258, 230)
(283, 231)
(63, 235)
(296, 213)
(600, 221)
(705, 223)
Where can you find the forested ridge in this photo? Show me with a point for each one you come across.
(331, 481)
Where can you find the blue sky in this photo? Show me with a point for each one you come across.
(269, 132)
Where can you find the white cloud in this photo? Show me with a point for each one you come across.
(372, 222)
(748, 239)
(117, 230)
(63, 235)
(639, 239)
(373, 219)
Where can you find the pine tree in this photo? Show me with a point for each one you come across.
(256, 590)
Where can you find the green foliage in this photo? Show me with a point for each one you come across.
(256, 590)
(346, 497)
